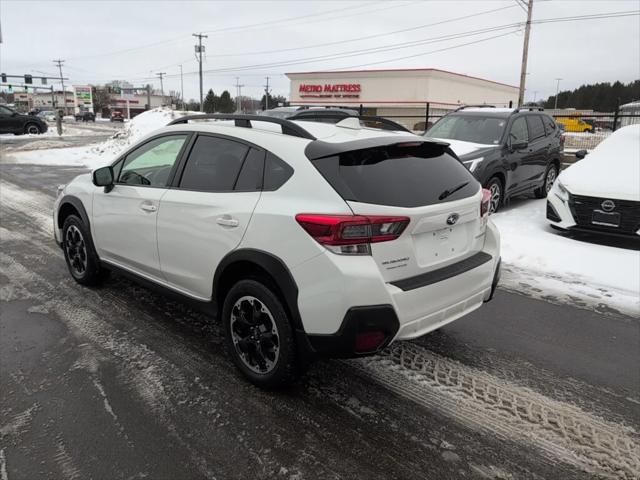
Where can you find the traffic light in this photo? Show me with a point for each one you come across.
(44, 80)
(4, 78)
(28, 79)
(10, 88)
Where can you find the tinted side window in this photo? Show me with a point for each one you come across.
(519, 132)
(549, 125)
(151, 163)
(213, 164)
(250, 178)
(536, 128)
(276, 172)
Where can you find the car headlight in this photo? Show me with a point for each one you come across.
(473, 164)
(561, 192)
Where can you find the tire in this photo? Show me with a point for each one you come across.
(79, 253)
(494, 185)
(550, 176)
(274, 366)
(32, 129)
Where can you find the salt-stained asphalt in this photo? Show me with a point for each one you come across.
(121, 382)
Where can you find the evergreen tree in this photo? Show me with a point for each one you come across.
(600, 97)
(210, 102)
(226, 104)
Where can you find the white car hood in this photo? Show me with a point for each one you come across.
(612, 170)
(461, 148)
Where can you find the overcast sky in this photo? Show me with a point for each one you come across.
(132, 40)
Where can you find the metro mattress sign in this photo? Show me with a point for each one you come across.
(338, 90)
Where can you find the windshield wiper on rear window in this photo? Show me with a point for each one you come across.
(446, 193)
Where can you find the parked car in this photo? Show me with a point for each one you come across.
(601, 192)
(18, 123)
(280, 112)
(335, 115)
(47, 116)
(298, 237)
(85, 116)
(575, 124)
(116, 116)
(510, 151)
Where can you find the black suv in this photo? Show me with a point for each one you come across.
(510, 151)
(85, 116)
(18, 123)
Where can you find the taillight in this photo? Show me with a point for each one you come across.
(485, 202)
(351, 234)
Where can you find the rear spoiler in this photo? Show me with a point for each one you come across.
(321, 149)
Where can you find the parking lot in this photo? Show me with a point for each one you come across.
(121, 382)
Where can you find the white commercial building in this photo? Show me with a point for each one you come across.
(401, 94)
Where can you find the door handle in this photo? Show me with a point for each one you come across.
(227, 221)
(148, 207)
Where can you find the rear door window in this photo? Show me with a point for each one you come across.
(399, 176)
(536, 128)
(549, 125)
(213, 164)
(276, 172)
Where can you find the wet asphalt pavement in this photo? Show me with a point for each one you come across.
(121, 382)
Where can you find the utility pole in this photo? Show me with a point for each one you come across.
(266, 95)
(525, 53)
(238, 95)
(557, 90)
(199, 50)
(181, 88)
(59, 63)
(161, 74)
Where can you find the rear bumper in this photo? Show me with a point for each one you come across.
(339, 297)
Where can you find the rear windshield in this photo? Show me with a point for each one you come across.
(399, 176)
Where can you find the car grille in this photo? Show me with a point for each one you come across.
(582, 210)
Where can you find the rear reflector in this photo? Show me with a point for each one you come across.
(369, 341)
(351, 230)
(485, 202)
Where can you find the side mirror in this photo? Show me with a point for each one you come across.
(580, 154)
(103, 177)
(519, 145)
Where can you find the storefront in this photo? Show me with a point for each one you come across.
(401, 94)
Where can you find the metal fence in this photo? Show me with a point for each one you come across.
(583, 129)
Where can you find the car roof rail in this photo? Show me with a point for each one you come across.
(529, 109)
(288, 127)
(382, 122)
(474, 106)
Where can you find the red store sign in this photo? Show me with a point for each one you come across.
(336, 90)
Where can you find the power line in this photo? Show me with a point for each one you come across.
(368, 37)
(223, 30)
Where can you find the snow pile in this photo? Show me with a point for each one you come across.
(541, 262)
(134, 130)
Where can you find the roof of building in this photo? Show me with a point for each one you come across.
(400, 70)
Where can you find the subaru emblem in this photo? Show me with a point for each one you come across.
(608, 205)
(452, 219)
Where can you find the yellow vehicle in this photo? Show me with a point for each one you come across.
(574, 124)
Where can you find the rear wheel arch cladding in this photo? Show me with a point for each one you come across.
(251, 263)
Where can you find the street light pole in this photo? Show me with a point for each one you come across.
(59, 62)
(525, 54)
(555, 107)
(181, 88)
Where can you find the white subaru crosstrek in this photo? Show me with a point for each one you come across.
(315, 240)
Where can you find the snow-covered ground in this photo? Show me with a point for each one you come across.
(545, 263)
(93, 156)
(537, 260)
